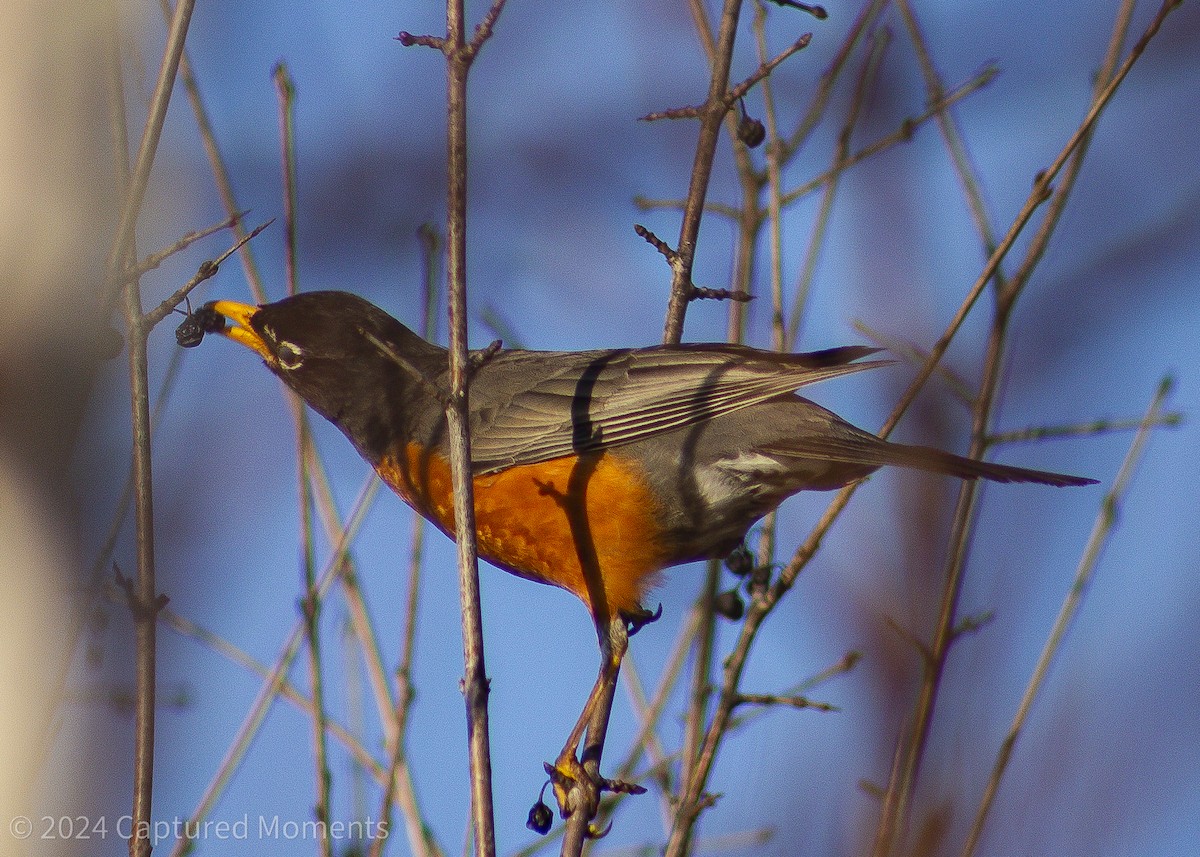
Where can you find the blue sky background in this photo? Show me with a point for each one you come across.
(1109, 758)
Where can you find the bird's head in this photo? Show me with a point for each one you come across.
(347, 358)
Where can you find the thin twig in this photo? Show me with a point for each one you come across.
(844, 665)
(285, 92)
(187, 628)
(182, 243)
(902, 134)
(217, 165)
(951, 135)
(774, 189)
(647, 735)
(738, 92)
(700, 690)
(1171, 419)
(824, 89)
(101, 563)
(769, 700)
(1102, 530)
(207, 270)
(765, 68)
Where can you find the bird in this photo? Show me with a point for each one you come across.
(593, 471)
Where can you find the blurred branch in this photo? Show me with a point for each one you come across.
(1102, 530)
(310, 604)
(775, 155)
(139, 177)
(867, 77)
(1171, 419)
(217, 165)
(701, 686)
(285, 91)
(354, 598)
(189, 629)
(894, 817)
(143, 595)
(902, 134)
(824, 89)
(951, 135)
(278, 676)
(915, 355)
(420, 838)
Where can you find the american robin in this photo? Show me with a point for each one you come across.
(593, 470)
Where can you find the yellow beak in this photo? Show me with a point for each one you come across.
(241, 331)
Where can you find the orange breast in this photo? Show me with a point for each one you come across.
(586, 524)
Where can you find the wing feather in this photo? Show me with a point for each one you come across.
(535, 406)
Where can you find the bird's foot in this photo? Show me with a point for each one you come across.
(577, 789)
(635, 620)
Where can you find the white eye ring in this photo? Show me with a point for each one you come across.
(289, 355)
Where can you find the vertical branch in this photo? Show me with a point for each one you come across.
(217, 164)
(749, 217)
(936, 93)
(324, 498)
(142, 595)
(311, 603)
(459, 56)
(749, 222)
(776, 153)
(712, 115)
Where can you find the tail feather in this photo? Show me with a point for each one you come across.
(866, 449)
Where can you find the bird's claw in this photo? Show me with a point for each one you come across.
(575, 789)
(635, 620)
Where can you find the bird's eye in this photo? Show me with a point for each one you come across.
(289, 356)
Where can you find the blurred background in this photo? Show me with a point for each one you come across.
(1108, 763)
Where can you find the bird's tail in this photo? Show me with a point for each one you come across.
(860, 448)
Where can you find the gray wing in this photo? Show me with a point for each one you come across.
(530, 406)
